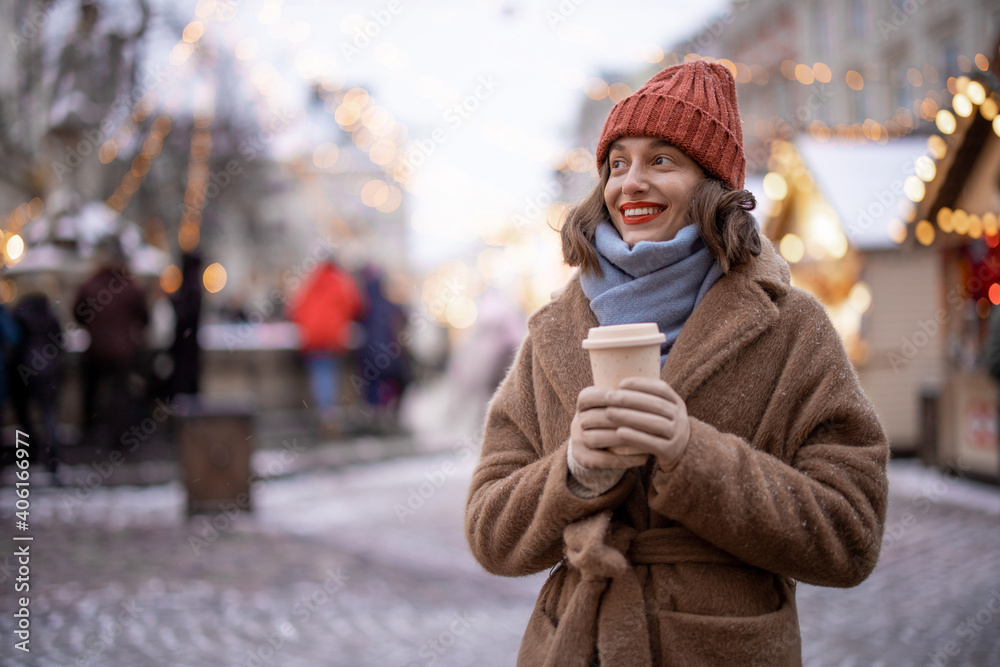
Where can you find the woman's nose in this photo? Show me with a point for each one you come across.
(635, 181)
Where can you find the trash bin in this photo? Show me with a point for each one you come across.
(214, 443)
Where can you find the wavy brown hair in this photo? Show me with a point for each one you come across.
(722, 214)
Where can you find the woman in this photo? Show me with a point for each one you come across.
(764, 461)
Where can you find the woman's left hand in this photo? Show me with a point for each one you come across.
(650, 417)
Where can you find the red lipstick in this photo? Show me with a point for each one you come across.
(639, 219)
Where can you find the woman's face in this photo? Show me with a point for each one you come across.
(650, 185)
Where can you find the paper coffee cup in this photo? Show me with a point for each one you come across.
(619, 351)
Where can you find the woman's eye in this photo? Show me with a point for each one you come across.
(661, 159)
(617, 163)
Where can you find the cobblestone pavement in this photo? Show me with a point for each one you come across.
(367, 565)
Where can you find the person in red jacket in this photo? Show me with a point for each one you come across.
(323, 309)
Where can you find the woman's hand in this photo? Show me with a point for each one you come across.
(643, 414)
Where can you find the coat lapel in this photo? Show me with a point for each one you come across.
(557, 332)
(737, 310)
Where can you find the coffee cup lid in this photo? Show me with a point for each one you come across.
(623, 335)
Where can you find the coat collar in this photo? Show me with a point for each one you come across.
(738, 308)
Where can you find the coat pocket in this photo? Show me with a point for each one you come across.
(538, 636)
(537, 639)
(771, 639)
(541, 628)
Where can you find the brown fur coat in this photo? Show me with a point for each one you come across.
(783, 479)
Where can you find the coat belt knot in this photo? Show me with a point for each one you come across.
(606, 612)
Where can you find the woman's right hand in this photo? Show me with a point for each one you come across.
(592, 432)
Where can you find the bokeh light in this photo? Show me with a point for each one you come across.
(325, 155)
(925, 168)
(14, 247)
(924, 232)
(994, 294)
(247, 48)
(914, 188)
(962, 105)
(792, 248)
(461, 312)
(944, 219)
(171, 279)
(214, 277)
(945, 121)
(775, 186)
(975, 92)
(860, 297)
(897, 231)
(193, 31)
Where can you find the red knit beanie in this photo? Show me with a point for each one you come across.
(691, 105)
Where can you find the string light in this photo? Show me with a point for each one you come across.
(141, 164)
(945, 121)
(962, 105)
(109, 149)
(195, 194)
(944, 220)
(924, 232)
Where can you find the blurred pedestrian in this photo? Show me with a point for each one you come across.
(35, 373)
(760, 459)
(10, 336)
(479, 364)
(323, 309)
(185, 351)
(383, 358)
(112, 308)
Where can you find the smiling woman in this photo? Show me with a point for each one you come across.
(651, 182)
(760, 460)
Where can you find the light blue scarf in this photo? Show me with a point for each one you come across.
(653, 281)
